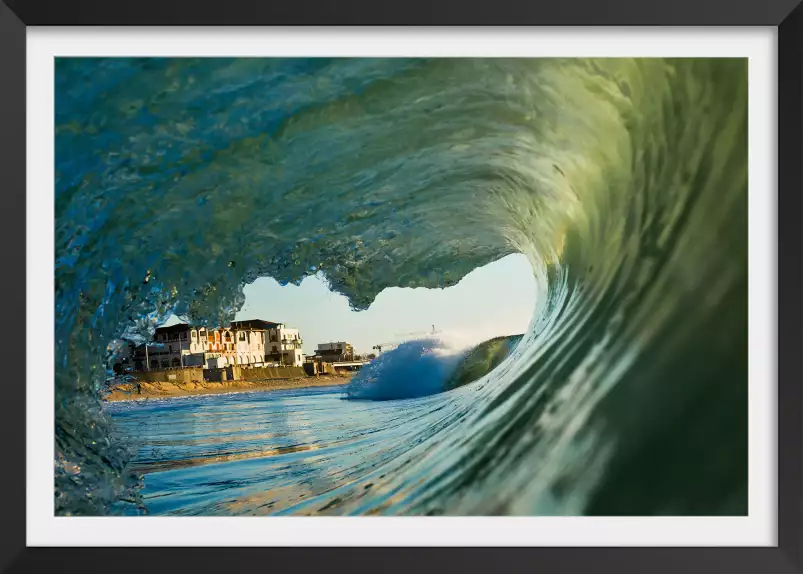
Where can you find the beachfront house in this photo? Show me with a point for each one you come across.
(245, 343)
(335, 352)
(283, 345)
(172, 347)
(279, 345)
(252, 341)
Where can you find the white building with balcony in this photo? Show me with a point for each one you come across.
(250, 343)
(184, 345)
(254, 343)
(335, 352)
(283, 346)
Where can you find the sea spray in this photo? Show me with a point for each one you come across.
(413, 369)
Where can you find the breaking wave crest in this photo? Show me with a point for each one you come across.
(414, 369)
(623, 181)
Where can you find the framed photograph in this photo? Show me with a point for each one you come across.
(437, 296)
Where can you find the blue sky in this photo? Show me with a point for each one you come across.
(497, 299)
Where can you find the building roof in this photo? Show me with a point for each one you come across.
(255, 324)
(328, 346)
(177, 328)
(249, 324)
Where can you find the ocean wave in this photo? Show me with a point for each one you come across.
(413, 369)
(624, 181)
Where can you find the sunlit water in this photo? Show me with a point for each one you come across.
(291, 451)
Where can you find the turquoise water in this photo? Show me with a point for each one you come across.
(623, 181)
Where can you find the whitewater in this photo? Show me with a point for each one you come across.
(623, 181)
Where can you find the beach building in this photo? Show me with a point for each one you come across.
(250, 343)
(219, 344)
(283, 345)
(172, 347)
(335, 352)
(182, 345)
(244, 343)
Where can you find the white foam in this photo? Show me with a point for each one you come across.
(413, 369)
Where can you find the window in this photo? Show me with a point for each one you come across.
(193, 334)
(274, 348)
(242, 336)
(184, 336)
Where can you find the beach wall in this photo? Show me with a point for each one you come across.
(170, 375)
(231, 373)
(258, 373)
(237, 373)
(319, 368)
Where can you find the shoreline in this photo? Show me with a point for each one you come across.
(164, 390)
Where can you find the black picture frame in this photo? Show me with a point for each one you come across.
(15, 15)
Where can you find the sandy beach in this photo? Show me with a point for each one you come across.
(161, 390)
